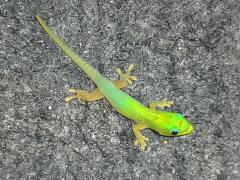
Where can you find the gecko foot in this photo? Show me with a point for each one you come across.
(162, 104)
(78, 94)
(141, 141)
(126, 77)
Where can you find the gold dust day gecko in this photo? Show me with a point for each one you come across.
(163, 122)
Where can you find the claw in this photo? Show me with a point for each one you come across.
(130, 67)
(69, 98)
(165, 103)
(126, 76)
(141, 141)
(162, 104)
(78, 94)
(72, 90)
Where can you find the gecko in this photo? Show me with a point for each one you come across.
(163, 122)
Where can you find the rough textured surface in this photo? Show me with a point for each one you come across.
(188, 51)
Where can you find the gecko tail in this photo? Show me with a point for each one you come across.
(94, 75)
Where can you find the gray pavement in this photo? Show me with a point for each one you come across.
(187, 51)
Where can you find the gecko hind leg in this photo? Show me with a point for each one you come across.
(124, 80)
(162, 104)
(83, 95)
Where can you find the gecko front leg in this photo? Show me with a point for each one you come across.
(140, 139)
(124, 80)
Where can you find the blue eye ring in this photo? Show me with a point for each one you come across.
(174, 132)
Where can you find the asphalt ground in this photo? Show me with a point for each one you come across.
(187, 51)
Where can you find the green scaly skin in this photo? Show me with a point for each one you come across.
(165, 123)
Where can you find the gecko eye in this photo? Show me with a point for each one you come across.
(174, 132)
(179, 115)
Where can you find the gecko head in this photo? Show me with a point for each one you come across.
(174, 124)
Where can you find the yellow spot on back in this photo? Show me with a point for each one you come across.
(180, 123)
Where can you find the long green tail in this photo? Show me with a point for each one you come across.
(93, 74)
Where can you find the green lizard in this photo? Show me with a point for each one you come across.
(165, 123)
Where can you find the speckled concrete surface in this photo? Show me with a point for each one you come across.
(187, 51)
